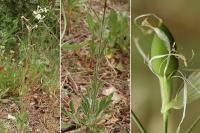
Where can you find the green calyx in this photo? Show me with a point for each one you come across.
(165, 63)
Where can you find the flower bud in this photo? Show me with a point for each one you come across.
(165, 63)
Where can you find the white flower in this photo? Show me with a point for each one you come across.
(38, 16)
(35, 12)
(46, 10)
(38, 13)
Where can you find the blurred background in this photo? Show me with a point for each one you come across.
(182, 17)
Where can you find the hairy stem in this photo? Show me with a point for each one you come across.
(166, 87)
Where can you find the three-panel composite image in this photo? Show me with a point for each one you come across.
(99, 66)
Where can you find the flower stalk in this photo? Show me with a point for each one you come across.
(166, 91)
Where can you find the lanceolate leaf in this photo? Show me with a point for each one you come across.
(91, 22)
(193, 91)
(71, 105)
(104, 103)
(85, 105)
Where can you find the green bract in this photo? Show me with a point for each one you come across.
(165, 62)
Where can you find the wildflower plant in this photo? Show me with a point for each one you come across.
(29, 51)
(164, 62)
(92, 107)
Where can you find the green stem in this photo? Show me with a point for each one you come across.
(166, 90)
(98, 61)
(193, 125)
(165, 121)
(137, 122)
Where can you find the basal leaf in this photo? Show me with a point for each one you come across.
(104, 103)
(64, 111)
(85, 105)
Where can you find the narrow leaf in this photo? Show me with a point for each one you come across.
(85, 105)
(71, 105)
(104, 103)
(91, 22)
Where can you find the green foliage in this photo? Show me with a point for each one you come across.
(22, 119)
(108, 34)
(11, 81)
(29, 51)
(10, 15)
(2, 127)
(115, 35)
(93, 25)
(92, 114)
(73, 5)
(29, 46)
(69, 9)
(119, 35)
(90, 110)
(11, 12)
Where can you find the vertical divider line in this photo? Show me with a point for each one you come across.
(130, 21)
(60, 65)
